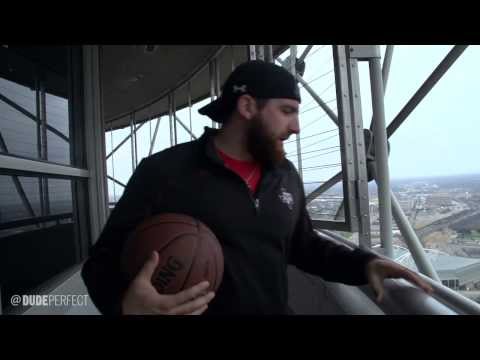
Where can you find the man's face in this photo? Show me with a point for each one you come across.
(273, 124)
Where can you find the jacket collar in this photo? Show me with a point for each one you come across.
(207, 144)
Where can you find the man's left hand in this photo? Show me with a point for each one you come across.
(380, 269)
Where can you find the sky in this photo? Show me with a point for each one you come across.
(440, 137)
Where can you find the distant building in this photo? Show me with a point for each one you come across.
(458, 273)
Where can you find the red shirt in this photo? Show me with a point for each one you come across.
(249, 171)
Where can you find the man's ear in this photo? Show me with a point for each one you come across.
(246, 106)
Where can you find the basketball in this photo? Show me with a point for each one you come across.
(189, 253)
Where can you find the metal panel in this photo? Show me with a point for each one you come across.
(361, 201)
(346, 137)
(365, 52)
(330, 224)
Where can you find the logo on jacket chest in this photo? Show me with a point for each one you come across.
(286, 198)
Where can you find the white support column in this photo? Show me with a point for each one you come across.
(132, 143)
(174, 111)
(95, 141)
(252, 53)
(135, 139)
(170, 119)
(268, 53)
(190, 109)
(293, 70)
(381, 155)
(113, 167)
(211, 74)
(260, 52)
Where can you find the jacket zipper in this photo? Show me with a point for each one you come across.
(255, 202)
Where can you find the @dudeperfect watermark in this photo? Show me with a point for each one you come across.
(49, 300)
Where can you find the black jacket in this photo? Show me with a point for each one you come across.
(259, 234)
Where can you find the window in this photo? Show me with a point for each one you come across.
(40, 214)
(37, 239)
(35, 103)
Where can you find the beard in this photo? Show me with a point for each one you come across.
(265, 148)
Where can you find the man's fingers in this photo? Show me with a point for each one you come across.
(401, 272)
(199, 311)
(377, 285)
(149, 267)
(191, 293)
(408, 275)
(193, 306)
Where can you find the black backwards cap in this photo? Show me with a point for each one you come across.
(259, 79)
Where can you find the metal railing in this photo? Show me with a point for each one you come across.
(35, 221)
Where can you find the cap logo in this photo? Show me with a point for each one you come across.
(242, 89)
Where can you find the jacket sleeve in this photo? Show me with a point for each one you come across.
(316, 255)
(102, 272)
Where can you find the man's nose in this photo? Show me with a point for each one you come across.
(295, 127)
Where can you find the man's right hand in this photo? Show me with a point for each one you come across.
(142, 298)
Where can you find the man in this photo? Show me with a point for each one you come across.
(238, 182)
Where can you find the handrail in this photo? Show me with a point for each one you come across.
(449, 299)
(34, 221)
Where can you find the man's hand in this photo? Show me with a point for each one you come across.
(380, 269)
(142, 297)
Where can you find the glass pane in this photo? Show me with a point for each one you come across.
(32, 249)
(143, 140)
(319, 136)
(11, 206)
(58, 149)
(57, 118)
(15, 201)
(33, 79)
(18, 105)
(57, 113)
(60, 193)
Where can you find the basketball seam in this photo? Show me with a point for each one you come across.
(157, 223)
(216, 272)
(217, 267)
(191, 263)
(170, 241)
(214, 262)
